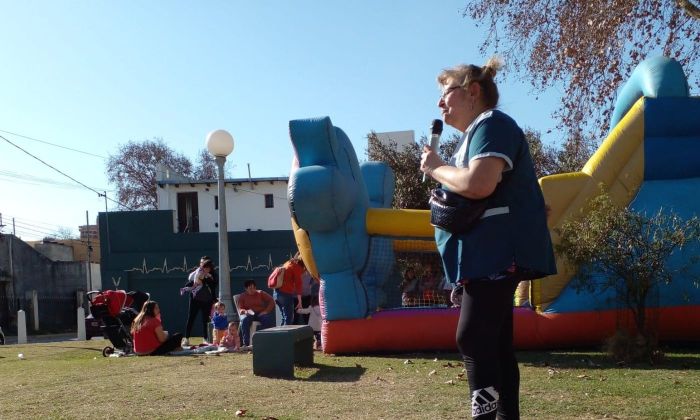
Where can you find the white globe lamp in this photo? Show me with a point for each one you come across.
(220, 143)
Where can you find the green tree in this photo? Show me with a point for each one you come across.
(410, 192)
(588, 47)
(574, 153)
(616, 248)
(133, 170)
(544, 158)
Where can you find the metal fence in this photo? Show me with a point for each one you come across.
(44, 314)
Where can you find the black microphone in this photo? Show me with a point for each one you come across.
(435, 131)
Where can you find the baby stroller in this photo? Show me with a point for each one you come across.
(116, 309)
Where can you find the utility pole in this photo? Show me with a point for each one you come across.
(89, 251)
(12, 269)
(106, 221)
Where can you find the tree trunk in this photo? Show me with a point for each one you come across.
(640, 319)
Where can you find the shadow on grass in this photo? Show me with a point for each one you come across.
(426, 356)
(678, 356)
(674, 359)
(73, 348)
(328, 373)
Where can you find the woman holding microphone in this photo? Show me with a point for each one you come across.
(508, 243)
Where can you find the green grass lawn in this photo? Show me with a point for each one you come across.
(72, 380)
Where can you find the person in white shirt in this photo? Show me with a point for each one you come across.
(315, 319)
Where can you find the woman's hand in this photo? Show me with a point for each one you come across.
(430, 160)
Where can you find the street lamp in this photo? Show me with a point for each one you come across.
(220, 144)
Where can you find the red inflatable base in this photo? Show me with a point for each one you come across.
(404, 330)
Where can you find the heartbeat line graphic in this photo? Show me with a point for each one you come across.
(184, 268)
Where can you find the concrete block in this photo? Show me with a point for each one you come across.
(276, 350)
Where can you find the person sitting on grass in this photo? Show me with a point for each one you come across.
(148, 335)
(231, 341)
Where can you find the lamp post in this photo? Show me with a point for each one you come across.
(220, 144)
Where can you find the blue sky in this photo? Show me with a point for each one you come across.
(91, 75)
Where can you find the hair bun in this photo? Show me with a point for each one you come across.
(492, 66)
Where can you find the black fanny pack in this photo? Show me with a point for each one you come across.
(455, 213)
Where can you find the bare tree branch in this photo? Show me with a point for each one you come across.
(589, 47)
(133, 170)
(690, 8)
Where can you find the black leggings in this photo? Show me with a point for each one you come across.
(485, 339)
(172, 343)
(205, 309)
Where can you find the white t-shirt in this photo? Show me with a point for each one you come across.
(314, 313)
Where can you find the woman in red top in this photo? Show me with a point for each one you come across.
(148, 335)
(288, 297)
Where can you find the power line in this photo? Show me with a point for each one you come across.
(31, 225)
(53, 144)
(32, 222)
(238, 188)
(48, 229)
(259, 193)
(99, 194)
(36, 228)
(39, 229)
(12, 176)
(20, 232)
(30, 230)
(35, 231)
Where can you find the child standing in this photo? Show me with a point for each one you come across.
(314, 312)
(231, 341)
(220, 322)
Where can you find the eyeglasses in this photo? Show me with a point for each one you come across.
(448, 90)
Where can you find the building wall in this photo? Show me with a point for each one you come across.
(57, 283)
(54, 251)
(402, 139)
(245, 205)
(88, 231)
(80, 249)
(140, 251)
(69, 249)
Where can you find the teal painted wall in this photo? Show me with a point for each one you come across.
(140, 251)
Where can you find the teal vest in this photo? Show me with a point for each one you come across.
(514, 227)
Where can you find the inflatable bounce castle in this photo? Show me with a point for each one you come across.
(356, 244)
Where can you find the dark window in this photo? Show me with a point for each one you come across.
(187, 212)
(269, 201)
(216, 202)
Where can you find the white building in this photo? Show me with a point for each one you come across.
(400, 138)
(251, 203)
